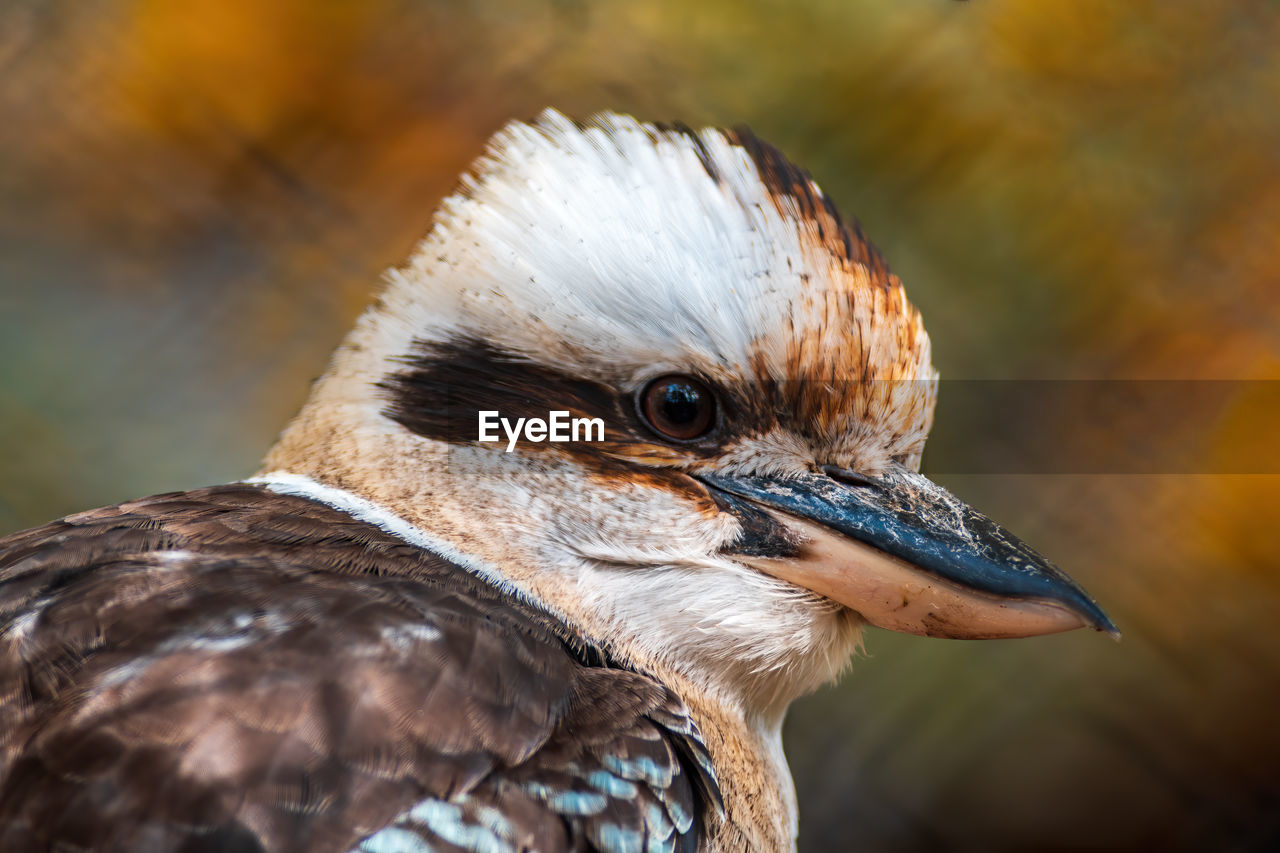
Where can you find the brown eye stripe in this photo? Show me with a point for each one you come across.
(438, 389)
(442, 386)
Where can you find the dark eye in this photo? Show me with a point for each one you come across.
(678, 407)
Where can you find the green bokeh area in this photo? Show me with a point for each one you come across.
(197, 199)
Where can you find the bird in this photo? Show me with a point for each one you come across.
(618, 464)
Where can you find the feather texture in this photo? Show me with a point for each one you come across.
(236, 669)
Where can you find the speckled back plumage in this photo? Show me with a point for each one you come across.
(236, 669)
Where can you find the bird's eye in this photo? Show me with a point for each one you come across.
(678, 407)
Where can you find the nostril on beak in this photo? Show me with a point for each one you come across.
(850, 478)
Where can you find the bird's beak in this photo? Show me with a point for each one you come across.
(910, 556)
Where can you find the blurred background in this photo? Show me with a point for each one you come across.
(196, 199)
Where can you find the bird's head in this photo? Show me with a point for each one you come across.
(744, 389)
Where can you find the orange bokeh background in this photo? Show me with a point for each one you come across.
(196, 200)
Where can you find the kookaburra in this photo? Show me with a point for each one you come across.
(617, 466)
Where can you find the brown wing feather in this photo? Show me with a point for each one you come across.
(233, 669)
